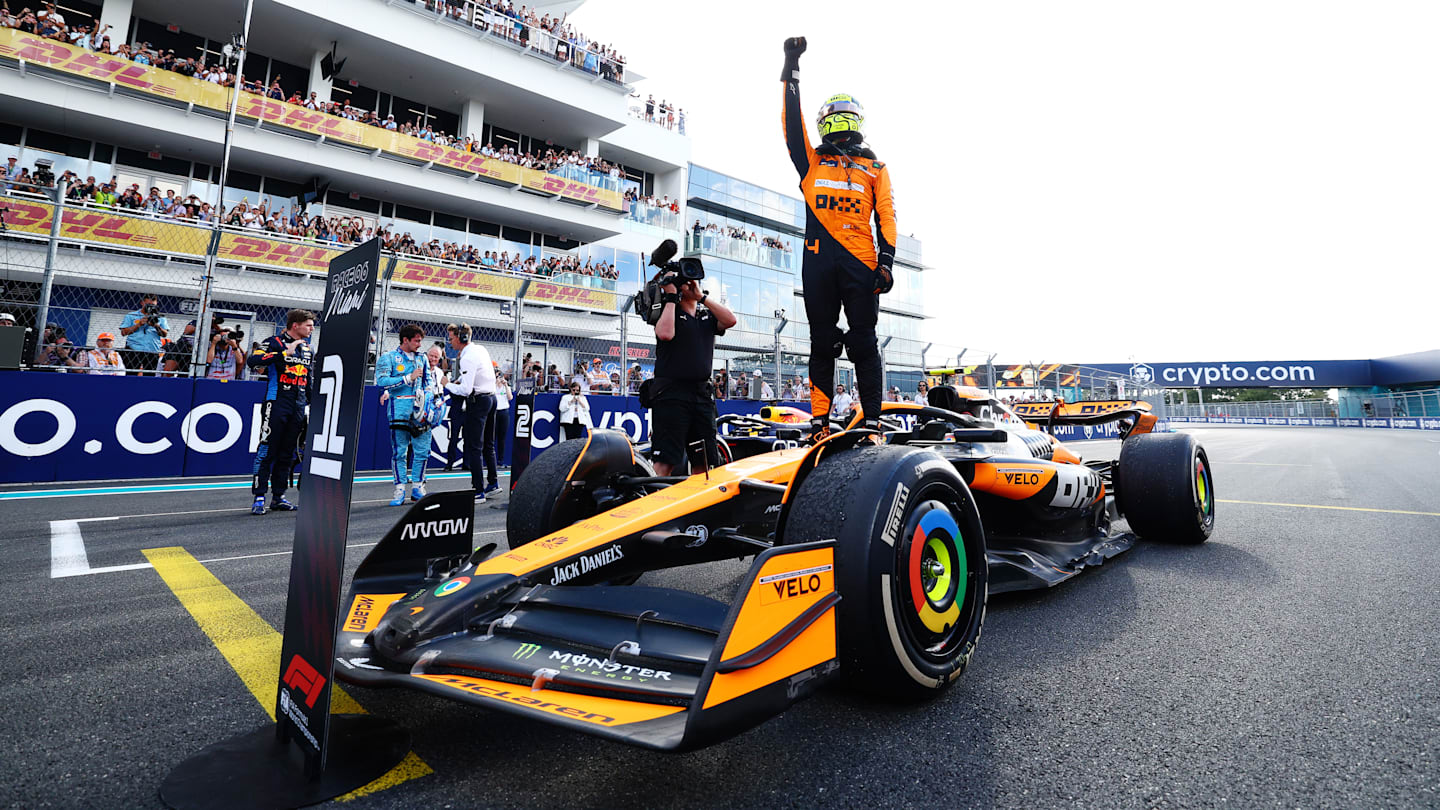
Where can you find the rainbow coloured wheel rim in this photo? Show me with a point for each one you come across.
(936, 578)
(1204, 491)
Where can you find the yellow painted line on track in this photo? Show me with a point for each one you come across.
(252, 646)
(1340, 508)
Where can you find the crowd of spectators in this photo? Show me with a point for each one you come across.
(292, 222)
(571, 164)
(663, 113)
(551, 35)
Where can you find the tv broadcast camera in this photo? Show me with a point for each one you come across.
(649, 302)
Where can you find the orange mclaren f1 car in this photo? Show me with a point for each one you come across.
(873, 558)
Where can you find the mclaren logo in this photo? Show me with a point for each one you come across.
(897, 511)
(525, 651)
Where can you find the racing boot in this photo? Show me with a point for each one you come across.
(258, 508)
(282, 505)
(819, 428)
(418, 491)
(869, 423)
(399, 498)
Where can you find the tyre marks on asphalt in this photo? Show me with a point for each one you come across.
(252, 646)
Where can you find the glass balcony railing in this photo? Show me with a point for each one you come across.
(582, 280)
(757, 253)
(653, 215)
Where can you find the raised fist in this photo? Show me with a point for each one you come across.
(794, 46)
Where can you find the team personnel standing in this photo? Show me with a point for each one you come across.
(495, 432)
(405, 375)
(286, 359)
(475, 384)
(457, 406)
(682, 398)
(844, 186)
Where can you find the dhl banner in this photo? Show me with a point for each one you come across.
(73, 59)
(143, 233)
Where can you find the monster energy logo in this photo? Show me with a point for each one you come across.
(525, 651)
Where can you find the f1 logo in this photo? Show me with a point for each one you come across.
(300, 675)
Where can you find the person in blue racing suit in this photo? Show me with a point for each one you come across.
(286, 359)
(406, 378)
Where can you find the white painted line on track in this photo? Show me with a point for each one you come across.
(87, 570)
(205, 511)
(67, 549)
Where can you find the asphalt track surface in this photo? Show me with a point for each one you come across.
(1290, 661)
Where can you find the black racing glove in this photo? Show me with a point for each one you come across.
(794, 46)
(884, 279)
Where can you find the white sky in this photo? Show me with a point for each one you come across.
(1096, 181)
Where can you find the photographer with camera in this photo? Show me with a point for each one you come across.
(144, 330)
(57, 352)
(681, 396)
(224, 352)
(179, 352)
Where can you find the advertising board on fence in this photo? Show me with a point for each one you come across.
(75, 427)
(1388, 422)
(182, 239)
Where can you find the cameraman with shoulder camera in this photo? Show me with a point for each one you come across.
(681, 395)
(144, 330)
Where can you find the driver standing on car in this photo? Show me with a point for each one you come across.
(844, 186)
(682, 398)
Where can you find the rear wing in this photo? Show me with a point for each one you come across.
(1137, 413)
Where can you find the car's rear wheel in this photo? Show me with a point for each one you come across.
(1165, 488)
(910, 565)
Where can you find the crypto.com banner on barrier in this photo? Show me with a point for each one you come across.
(76, 427)
(175, 238)
(75, 60)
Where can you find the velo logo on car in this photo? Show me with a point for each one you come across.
(779, 587)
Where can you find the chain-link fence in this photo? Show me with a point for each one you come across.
(1418, 403)
(104, 267)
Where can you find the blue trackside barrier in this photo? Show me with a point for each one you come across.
(1387, 422)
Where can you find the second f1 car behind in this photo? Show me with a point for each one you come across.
(871, 562)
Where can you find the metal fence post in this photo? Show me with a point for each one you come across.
(624, 348)
(52, 251)
(382, 323)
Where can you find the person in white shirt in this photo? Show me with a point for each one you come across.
(496, 431)
(103, 359)
(599, 380)
(575, 413)
(475, 383)
(581, 378)
(922, 393)
(842, 404)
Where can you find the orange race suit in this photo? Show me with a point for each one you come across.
(844, 187)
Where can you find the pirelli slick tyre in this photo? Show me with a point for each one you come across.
(910, 565)
(1165, 488)
(544, 500)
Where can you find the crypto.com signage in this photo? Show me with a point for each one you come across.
(1261, 374)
